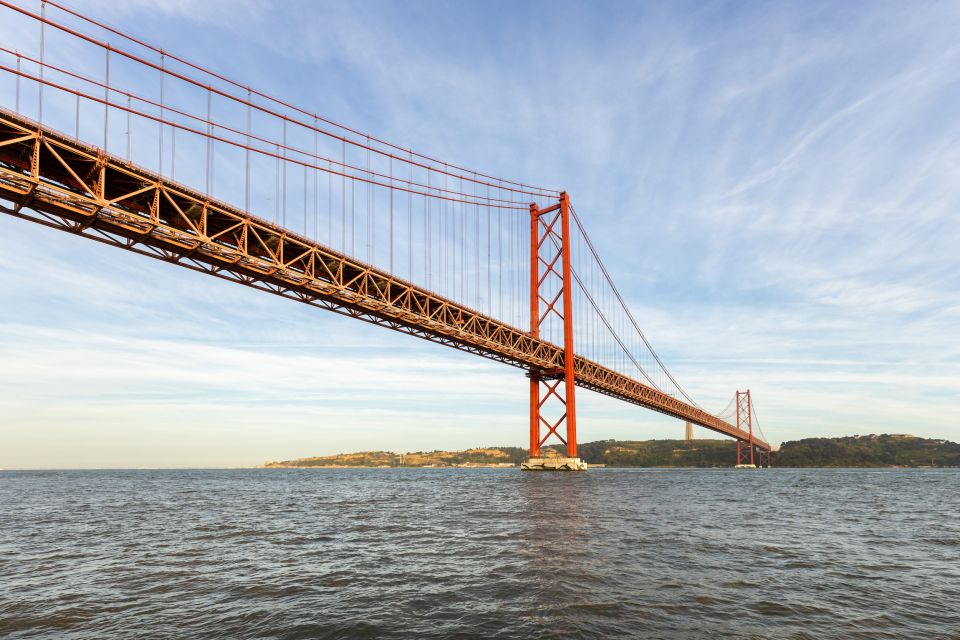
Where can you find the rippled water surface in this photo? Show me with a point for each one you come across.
(430, 553)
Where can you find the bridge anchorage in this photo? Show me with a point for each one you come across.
(316, 212)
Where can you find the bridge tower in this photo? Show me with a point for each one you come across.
(763, 457)
(745, 450)
(549, 288)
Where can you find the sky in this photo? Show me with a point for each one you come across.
(773, 186)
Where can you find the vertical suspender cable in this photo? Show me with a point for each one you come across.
(489, 275)
(106, 97)
(17, 103)
(368, 192)
(283, 184)
(516, 273)
(464, 250)
(391, 214)
(213, 156)
(452, 244)
(410, 224)
(372, 197)
(476, 249)
(510, 271)
(129, 136)
(163, 77)
(426, 233)
(173, 153)
(353, 216)
(246, 161)
(209, 140)
(330, 202)
(499, 257)
(443, 248)
(43, 11)
(276, 187)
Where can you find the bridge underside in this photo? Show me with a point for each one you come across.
(54, 180)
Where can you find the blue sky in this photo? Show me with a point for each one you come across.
(774, 187)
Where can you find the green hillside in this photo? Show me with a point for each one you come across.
(868, 451)
(851, 451)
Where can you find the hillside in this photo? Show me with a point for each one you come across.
(868, 451)
(650, 453)
(851, 451)
(481, 456)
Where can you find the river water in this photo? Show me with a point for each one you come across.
(441, 553)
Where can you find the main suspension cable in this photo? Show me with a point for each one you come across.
(516, 187)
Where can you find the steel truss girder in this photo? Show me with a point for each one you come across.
(51, 179)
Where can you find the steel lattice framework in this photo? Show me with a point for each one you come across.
(745, 449)
(553, 288)
(55, 180)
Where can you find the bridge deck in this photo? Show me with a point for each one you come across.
(52, 179)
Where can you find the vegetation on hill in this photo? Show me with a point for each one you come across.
(660, 453)
(852, 451)
(480, 456)
(868, 451)
(650, 453)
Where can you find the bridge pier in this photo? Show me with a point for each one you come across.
(554, 464)
(745, 455)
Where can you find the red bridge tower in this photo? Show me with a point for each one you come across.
(551, 296)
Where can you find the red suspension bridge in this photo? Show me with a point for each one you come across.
(106, 136)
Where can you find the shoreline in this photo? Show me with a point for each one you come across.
(591, 466)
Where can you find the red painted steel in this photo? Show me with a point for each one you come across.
(551, 245)
(569, 376)
(534, 330)
(745, 448)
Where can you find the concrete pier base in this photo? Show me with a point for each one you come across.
(554, 464)
(745, 466)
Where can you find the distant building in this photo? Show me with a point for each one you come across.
(689, 432)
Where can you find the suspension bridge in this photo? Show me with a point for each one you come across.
(112, 138)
